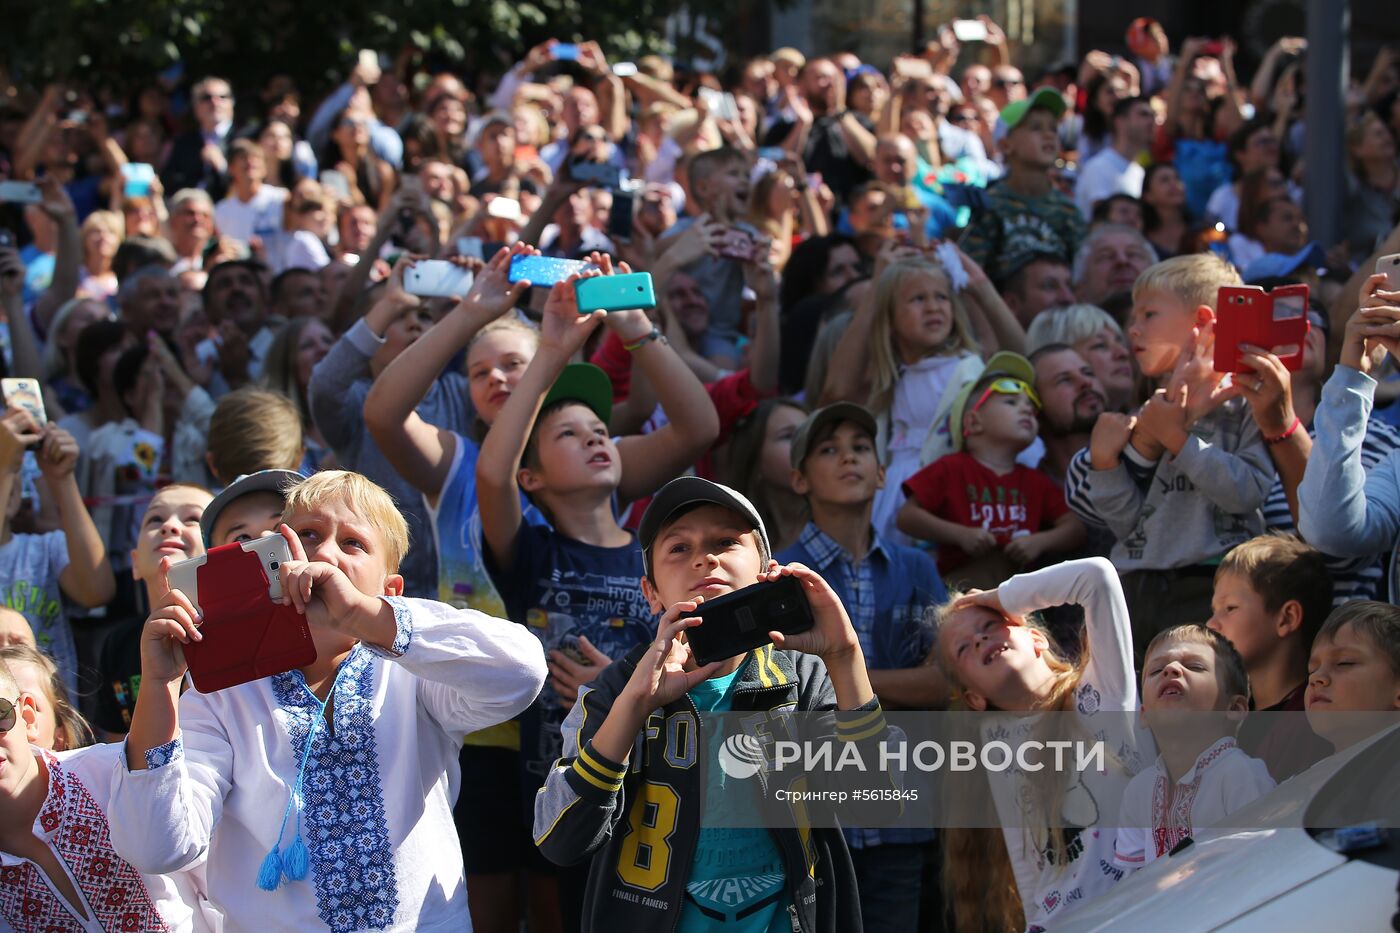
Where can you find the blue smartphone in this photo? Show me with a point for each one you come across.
(545, 270)
(565, 52)
(136, 179)
(615, 293)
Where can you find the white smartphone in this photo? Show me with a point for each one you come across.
(470, 246)
(970, 30)
(624, 69)
(437, 278)
(1389, 266)
(504, 209)
(20, 192)
(272, 551)
(26, 394)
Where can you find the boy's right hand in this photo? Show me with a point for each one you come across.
(172, 623)
(1110, 436)
(661, 677)
(702, 238)
(562, 328)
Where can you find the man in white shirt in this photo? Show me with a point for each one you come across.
(252, 212)
(1114, 169)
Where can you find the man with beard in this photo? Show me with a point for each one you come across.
(235, 298)
(1071, 401)
(1109, 262)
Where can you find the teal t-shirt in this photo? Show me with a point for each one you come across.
(737, 883)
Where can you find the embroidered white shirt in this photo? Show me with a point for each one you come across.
(376, 817)
(1152, 822)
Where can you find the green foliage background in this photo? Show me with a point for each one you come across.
(315, 42)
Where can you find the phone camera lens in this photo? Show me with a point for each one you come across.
(274, 565)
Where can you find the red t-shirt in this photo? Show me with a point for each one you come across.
(959, 489)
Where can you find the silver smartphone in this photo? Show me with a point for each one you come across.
(437, 278)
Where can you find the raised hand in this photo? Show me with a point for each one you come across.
(832, 636)
(661, 676)
(567, 674)
(562, 327)
(492, 293)
(172, 623)
(58, 453)
(319, 590)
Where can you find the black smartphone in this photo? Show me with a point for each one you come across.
(740, 621)
(620, 218)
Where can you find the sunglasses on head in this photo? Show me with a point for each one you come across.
(1008, 386)
(9, 715)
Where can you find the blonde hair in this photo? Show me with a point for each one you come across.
(255, 429)
(365, 498)
(886, 364)
(114, 222)
(979, 884)
(73, 730)
(1068, 325)
(513, 324)
(1194, 278)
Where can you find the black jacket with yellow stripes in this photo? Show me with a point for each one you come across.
(641, 822)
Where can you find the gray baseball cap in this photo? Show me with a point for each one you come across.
(688, 491)
(278, 481)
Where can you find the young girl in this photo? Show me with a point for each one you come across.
(293, 354)
(60, 727)
(58, 870)
(441, 464)
(908, 352)
(756, 462)
(999, 658)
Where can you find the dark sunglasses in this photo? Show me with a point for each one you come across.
(9, 715)
(1007, 82)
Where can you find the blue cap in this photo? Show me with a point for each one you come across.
(1308, 259)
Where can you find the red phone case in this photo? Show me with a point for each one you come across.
(1245, 314)
(246, 635)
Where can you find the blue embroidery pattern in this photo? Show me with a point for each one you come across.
(347, 832)
(162, 755)
(403, 629)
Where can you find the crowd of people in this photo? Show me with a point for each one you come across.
(936, 337)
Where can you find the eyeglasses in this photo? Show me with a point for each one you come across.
(1008, 387)
(209, 96)
(9, 715)
(1008, 82)
(963, 118)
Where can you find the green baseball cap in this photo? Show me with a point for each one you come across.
(1004, 363)
(1046, 98)
(586, 384)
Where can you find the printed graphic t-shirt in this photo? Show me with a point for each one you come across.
(737, 883)
(562, 589)
(30, 566)
(959, 489)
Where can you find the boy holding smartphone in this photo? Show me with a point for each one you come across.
(666, 869)
(361, 744)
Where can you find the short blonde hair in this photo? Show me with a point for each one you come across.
(1068, 325)
(254, 429)
(365, 498)
(1195, 278)
(114, 222)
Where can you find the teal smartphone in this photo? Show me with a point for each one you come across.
(615, 292)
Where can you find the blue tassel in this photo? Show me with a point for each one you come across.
(296, 862)
(270, 875)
